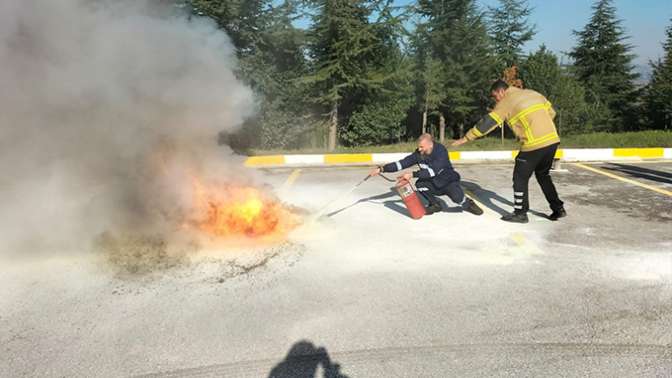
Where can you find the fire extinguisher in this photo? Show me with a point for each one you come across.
(411, 199)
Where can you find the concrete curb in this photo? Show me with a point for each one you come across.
(579, 154)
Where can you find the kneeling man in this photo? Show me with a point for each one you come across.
(436, 176)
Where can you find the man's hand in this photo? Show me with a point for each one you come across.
(406, 176)
(376, 171)
(459, 142)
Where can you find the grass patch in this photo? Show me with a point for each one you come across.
(651, 138)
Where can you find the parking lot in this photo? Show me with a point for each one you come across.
(366, 291)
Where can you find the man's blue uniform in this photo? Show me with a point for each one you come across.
(436, 175)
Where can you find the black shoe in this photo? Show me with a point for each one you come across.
(557, 214)
(433, 208)
(471, 207)
(515, 218)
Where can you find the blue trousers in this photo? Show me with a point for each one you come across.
(430, 191)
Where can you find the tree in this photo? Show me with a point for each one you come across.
(510, 30)
(429, 74)
(542, 72)
(279, 65)
(467, 65)
(352, 57)
(603, 64)
(383, 104)
(340, 44)
(659, 91)
(271, 58)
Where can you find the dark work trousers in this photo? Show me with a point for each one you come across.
(538, 162)
(428, 190)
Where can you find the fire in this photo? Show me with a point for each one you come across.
(226, 211)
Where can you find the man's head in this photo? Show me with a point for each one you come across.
(498, 90)
(425, 144)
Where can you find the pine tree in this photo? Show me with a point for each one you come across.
(459, 40)
(380, 107)
(271, 59)
(280, 64)
(429, 76)
(344, 49)
(241, 19)
(510, 30)
(603, 64)
(659, 90)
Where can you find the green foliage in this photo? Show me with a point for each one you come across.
(341, 44)
(603, 64)
(356, 76)
(428, 72)
(380, 119)
(353, 58)
(467, 67)
(659, 92)
(510, 30)
(542, 73)
(649, 138)
(271, 54)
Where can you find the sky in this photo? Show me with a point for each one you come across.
(644, 21)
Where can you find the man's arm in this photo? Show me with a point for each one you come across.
(484, 126)
(488, 123)
(404, 163)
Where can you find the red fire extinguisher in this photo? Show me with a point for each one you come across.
(411, 200)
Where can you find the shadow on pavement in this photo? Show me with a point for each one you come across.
(303, 361)
(639, 172)
(488, 199)
(396, 205)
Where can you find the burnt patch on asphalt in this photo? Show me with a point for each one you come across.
(148, 259)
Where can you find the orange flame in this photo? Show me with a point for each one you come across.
(237, 211)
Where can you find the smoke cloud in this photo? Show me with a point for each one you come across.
(106, 109)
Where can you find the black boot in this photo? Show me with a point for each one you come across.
(433, 208)
(515, 218)
(557, 214)
(470, 206)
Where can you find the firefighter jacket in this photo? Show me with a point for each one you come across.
(435, 166)
(527, 113)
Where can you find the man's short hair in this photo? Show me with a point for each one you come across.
(426, 136)
(499, 84)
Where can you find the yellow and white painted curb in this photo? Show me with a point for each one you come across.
(572, 155)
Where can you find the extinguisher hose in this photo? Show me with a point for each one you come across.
(393, 180)
(386, 178)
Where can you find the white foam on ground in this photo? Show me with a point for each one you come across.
(374, 235)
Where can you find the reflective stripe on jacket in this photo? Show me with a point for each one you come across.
(529, 114)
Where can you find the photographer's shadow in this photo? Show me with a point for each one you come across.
(303, 361)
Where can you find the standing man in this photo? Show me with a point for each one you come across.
(530, 116)
(436, 175)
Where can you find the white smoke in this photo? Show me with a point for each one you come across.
(96, 97)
